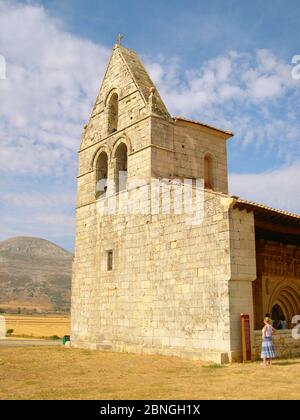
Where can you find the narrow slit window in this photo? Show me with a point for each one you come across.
(113, 113)
(208, 172)
(109, 260)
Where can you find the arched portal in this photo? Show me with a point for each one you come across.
(277, 313)
(285, 301)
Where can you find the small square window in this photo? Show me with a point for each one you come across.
(109, 260)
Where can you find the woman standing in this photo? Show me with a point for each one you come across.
(267, 348)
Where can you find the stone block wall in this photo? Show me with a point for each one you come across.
(131, 106)
(168, 291)
(191, 143)
(285, 345)
(242, 274)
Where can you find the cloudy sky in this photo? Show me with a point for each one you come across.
(218, 62)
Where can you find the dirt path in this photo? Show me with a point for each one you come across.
(8, 342)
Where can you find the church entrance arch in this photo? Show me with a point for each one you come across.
(277, 313)
(285, 301)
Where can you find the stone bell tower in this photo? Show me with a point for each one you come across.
(133, 273)
(122, 116)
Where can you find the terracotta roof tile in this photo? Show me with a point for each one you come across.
(245, 203)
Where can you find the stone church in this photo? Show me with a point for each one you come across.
(149, 281)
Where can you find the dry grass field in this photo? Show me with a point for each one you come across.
(42, 326)
(62, 373)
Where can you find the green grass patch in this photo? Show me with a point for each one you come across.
(213, 367)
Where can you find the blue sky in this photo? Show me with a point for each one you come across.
(196, 30)
(223, 63)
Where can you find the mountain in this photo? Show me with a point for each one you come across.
(35, 275)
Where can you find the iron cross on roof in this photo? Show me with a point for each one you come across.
(120, 39)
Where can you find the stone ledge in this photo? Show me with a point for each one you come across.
(204, 355)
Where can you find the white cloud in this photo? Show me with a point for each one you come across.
(266, 87)
(252, 94)
(255, 96)
(279, 188)
(52, 80)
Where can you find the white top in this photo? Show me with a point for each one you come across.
(269, 331)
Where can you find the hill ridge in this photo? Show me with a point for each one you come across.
(35, 275)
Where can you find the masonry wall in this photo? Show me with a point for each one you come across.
(131, 107)
(242, 275)
(168, 292)
(136, 138)
(175, 288)
(191, 143)
(285, 345)
(179, 151)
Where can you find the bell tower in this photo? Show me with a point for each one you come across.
(120, 258)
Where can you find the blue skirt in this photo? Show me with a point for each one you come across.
(267, 348)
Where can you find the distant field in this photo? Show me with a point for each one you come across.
(62, 373)
(38, 326)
